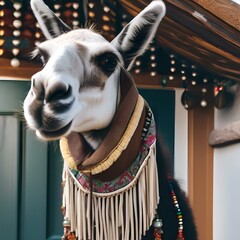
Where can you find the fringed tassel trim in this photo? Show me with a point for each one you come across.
(125, 214)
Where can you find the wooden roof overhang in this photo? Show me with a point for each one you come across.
(207, 32)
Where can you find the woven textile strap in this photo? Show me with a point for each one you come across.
(125, 128)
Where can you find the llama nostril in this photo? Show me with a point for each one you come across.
(58, 92)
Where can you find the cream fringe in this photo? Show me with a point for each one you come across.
(125, 214)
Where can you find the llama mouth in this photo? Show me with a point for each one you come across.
(55, 134)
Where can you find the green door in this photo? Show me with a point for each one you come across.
(162, 103)
(23, 171)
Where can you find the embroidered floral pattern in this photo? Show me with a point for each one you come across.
(126, 177)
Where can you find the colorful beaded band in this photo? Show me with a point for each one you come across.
(180, 235)
(157, 224)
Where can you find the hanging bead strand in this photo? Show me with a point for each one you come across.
(180, 235)
(183, 72)
(57, 8)
(108, 21)
(75, 14)
(2, 24)
(157, 232)
(203, 102)
(17, 24)
(173, 67)
(153, 60)
(138, 66)
(38, 34)
(194, 75)
(91, 11)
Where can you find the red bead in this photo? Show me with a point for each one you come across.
(157, 234)
(180, 236)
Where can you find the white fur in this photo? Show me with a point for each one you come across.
(93, 108)
(39, 5)
(70, 64)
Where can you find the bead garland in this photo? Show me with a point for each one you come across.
(180, 235)
(75, 15)
(17, 24)
(157, 232)
(2, 25)
(157, 224)
(67, 235)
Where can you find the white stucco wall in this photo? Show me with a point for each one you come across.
(181, 142)
(226, 193)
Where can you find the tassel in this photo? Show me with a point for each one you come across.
(157, 232)
(124, 214)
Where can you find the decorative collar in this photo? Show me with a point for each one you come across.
(121, 143)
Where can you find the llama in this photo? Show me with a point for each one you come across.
(115, 180)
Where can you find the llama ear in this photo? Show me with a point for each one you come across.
(50, 24)
(133, 40)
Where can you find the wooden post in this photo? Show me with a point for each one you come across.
(200, 173)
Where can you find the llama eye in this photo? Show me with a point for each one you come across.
(107, 62)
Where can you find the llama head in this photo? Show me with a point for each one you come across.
(77, 88)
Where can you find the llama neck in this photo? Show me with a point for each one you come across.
(126, 97)
(95, 138)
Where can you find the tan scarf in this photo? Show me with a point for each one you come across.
(125, 213)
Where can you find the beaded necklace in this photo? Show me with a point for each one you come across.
(157, 224)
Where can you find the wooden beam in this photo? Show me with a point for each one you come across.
(226, 10)
(25, 71)
(200, 173)
(145, 79)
